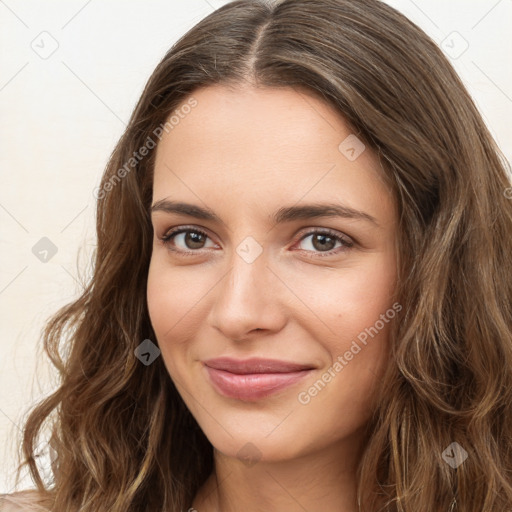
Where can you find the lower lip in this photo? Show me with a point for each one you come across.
(254, 386)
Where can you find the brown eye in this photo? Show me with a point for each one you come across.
(191, 240)
(194, 240)
(325, 242)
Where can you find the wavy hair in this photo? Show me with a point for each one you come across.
(124, 439)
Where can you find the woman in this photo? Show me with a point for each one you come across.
(302, 288)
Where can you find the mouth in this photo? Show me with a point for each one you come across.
(253, 379)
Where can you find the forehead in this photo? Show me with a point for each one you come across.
(253, 122)
(267, 145)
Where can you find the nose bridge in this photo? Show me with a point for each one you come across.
(246, 297)
(247, 277)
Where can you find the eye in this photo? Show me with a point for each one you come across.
(192, 239)
(324, 241)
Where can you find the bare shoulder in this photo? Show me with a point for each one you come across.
(22, 501)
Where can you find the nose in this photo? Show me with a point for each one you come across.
(248, 300)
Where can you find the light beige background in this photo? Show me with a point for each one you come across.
(62, 114)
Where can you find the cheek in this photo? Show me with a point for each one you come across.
(172, 294)
(347, 300)
(160, 295)
(168, 302)
(354, 309)
(176, 298)
(362, 318)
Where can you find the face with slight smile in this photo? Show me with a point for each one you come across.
(256, 280)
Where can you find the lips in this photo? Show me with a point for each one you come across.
(253, 379)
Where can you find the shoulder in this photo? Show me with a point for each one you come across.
(22, 501)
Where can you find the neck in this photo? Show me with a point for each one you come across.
(320, 480)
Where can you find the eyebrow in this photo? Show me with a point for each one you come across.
(285, 214)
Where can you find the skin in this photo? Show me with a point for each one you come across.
(246, 153)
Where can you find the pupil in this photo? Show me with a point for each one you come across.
(321, 244)
(194, 238)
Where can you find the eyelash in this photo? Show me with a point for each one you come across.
(346, 243)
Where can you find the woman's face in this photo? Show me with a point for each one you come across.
(259, 272)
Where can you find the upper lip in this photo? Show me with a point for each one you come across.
(255, 365)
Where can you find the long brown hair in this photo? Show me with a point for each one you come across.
(124, 439)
